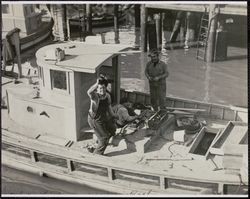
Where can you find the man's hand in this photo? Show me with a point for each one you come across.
(156, 79)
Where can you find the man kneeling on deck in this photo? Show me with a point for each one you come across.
(125, 113)
(99, 114)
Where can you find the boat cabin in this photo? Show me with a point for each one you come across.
(66, 71)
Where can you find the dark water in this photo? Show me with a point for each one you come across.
(19, 182)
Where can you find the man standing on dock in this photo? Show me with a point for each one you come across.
(156, 71)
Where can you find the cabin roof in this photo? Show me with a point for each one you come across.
(80, 57)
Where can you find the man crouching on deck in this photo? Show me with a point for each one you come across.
(99, 114)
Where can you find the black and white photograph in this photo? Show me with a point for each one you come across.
(124, 98)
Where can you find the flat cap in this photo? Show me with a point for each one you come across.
(154, 52)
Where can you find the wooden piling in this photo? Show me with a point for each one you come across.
(83, 22)
(212, 33)
(143, 28)
(137, 19)
(116, 23)
(89, 18)
(16, 41)
(161, 29)
(158, 30)
(67, 23)
(60, 27)
(64, 18)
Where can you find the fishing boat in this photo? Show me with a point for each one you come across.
(98, 21)
(35, 25)
(105, 19)
(190, 147)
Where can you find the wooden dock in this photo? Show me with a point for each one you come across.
(233, 9)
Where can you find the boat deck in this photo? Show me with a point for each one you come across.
(163, 155)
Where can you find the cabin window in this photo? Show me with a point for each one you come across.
(58, 79)
(5, 9)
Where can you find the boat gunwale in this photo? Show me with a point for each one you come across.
(76, 178)
(235, 108)
(107, 164)
(116, 183)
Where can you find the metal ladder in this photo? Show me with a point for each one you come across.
(203, 36)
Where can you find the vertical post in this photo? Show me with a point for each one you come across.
(137, 25)
(64, 18)
(69, 165)
(160, 41)
(16, 41)
(162, 183)
(110, 174)
(211, 34)
(60, 29)
(158, 30)
(116, 23)
(33, 156)
(67, 22)
(143, 28)
(55, 30)
(83, 24)
(116, 83)
(89, 18)
(220, 188)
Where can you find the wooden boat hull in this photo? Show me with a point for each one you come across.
(35, 38)
(98, 23)
(105, 173)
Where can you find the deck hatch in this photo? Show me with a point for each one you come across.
(205, 143)
(16, 150)
(191, 185)
(52, 160)
(136, 177)
(87, 168)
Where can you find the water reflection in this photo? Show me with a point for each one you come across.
(220, 82)
(207, 81)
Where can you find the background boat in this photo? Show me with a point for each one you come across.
(100, 18)
(35, 23)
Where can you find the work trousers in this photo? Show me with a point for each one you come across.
(103, 131)
(157, 95)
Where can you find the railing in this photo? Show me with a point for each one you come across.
(215, 111)
(67, 162)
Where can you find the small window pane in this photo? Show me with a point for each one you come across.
(58, 79)
(5, 9)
